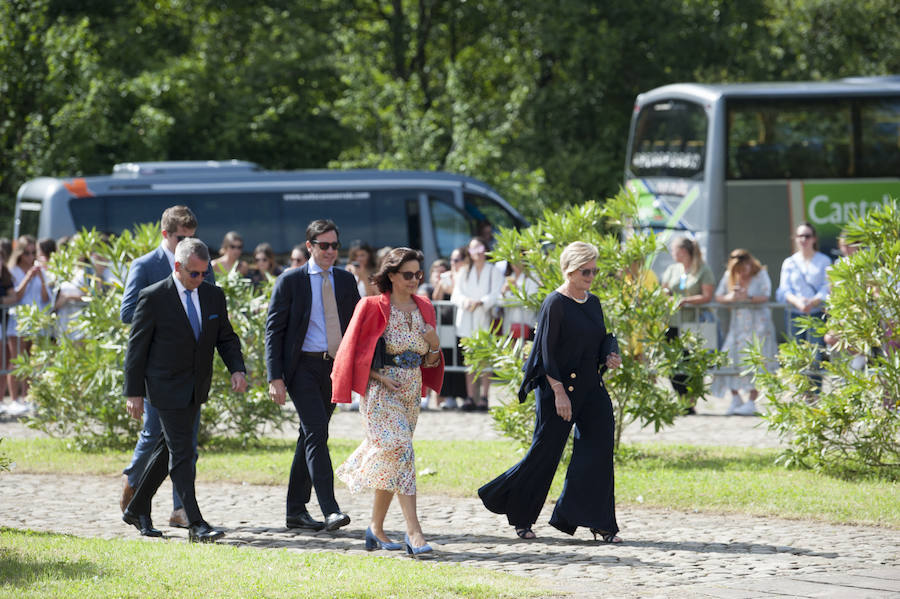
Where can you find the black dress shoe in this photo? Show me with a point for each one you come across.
(202, 532)
(141, 522)
(336, 520)
(304, 521)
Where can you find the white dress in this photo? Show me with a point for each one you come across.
(474, 286)
(746, 325)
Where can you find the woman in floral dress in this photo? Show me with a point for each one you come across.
(745, 281)
(392, 378)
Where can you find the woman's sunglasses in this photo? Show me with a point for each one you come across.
(589, 272)
(408, 275)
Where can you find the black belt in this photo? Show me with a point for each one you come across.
(318, 355)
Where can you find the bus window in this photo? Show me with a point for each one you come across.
(670, 140)
(880, 137)
(451, 228)
(790, 139)
(481, 208)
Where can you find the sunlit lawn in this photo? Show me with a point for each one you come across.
(716, 479)
(34, 564)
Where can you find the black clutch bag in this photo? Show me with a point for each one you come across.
(380, 355)
(610, 345)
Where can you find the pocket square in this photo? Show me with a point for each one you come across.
(211, 316)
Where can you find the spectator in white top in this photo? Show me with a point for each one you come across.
(475, 293)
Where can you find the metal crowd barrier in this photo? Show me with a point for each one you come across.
(722, 320)
(447, 331)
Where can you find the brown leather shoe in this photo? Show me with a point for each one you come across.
(178, 519)
(127, 493)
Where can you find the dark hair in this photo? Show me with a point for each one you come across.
(392, 262)
(815, 234)
(357, 245)
(46, 245)
(265, 248)
(6, 247)
(320, 226)
(177, 216)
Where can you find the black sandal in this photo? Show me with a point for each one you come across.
(606, 537)
(468, 405)
(525, 533)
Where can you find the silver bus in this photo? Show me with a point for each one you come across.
(741, 165)
(432, 211)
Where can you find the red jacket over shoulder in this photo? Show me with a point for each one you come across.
(354, 357)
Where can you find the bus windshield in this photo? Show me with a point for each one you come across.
(669, 140)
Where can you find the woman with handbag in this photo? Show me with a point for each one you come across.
(389, 355)
(564, 369)
(518, 321)
(691, 280)
(476, 293)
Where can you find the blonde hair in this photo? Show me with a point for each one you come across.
(737, 258)
(693, 249)
(575, 255)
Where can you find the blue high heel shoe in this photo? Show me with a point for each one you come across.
(373, 543)
(416, 551)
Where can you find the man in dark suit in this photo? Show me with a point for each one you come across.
(177, 223)
(177, 324)
(310, 309)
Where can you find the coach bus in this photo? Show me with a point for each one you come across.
(741, 165)
(432, 211)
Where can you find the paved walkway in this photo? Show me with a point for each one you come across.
(666, 554)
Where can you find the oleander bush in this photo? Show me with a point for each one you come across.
(852, 425)
(76, 384)
(636, 314)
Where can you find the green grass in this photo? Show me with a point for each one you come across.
(710, 479)
(36, 564)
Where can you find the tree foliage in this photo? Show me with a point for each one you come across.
(76, 383)
(533, 97)
(853, 424)
(636, 314)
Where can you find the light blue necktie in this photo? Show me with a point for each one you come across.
(192, 314)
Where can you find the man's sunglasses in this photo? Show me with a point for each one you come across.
(193, 273)
(408, 275)
(326, 245)
(589, 272)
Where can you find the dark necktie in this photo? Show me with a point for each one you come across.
(192, 314)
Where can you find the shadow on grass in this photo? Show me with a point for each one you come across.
(21, 570)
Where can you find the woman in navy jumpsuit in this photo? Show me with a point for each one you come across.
(564, 370)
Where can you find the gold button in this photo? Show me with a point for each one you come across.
(571, 388)
(572, 376)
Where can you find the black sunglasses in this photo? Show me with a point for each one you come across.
(194, 273)
(236, 247)
(326, 245)
(589, 272)
(804, 236)
(408, 274)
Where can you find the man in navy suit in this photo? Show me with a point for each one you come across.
(177, 324)
(177, 223)
(310, 309)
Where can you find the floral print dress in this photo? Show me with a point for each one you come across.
(385, 459)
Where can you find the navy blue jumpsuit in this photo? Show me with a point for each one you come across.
(567, 347)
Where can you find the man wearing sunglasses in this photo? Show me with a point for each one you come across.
(177, 325)
(177, 223)
(310, 309)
